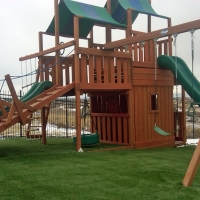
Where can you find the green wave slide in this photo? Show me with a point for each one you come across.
(36, 89)
(184, 75)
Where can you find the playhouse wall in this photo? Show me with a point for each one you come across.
(143, 107)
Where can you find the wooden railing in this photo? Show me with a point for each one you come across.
(103, 66)
(112, 128)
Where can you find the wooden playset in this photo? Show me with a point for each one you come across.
(130, 90)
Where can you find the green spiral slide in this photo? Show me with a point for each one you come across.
(184, 75)
(35, 90)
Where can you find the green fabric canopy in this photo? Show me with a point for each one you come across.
(90, 15)
(119, 8)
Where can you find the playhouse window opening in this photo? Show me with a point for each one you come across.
(154, 102)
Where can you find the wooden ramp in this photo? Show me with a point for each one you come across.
(21, 112)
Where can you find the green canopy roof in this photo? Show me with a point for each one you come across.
(90, 15)
(119, 8)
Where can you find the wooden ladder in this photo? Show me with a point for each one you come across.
(21, 112)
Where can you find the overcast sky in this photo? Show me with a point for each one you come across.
(22, 20)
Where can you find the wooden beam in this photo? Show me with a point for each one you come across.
(15, 98)
(181, 28)
(63, 35)
(77, 80)
(193, 166)
(59, 77)
(24, 105)
(57, 48)
(103, 86)
(98, 52)
(108, 27)
(3, 110)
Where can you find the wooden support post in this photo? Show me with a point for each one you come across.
(170, 37)
(16, 102)
(57, 57)
(193, 166)
(108, 27)
(40, 67)
(77, 81)
(129, 28)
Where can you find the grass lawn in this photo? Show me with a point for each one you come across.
(31, 171)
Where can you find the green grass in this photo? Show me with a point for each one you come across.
(30, 170)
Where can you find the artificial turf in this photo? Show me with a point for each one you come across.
(30, 170)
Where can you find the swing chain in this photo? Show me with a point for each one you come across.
(192, 53)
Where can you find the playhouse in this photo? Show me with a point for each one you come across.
(131, 92)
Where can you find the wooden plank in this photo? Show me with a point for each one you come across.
(118, 63)
(103, 124)
(106, 69)
(122, 115)
(143, 64)
(46, 73)
(51, 50)
(104, 87)
(67, 74)
(131, 120)
(10, 115)
(135, 52)
(98, 68)
(125, 71)
(99, 127)
(53, 74)
(152, 52)
(146, 51)
(149, 115)
(91, 69)
(112, 70)
(3, 110)
(136, 113)
(114, 130)
(125, 131)
(15, 98)
(83, 69)
(193, 167)
(151, 82)
(160, 49)
(181, 28)
(166, 48)
(145, 112)
(100, 52)
(162, 142)
(108, 126)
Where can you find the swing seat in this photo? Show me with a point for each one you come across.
(161, 132)
(88, 139)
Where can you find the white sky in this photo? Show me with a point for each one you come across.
(22, 20)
